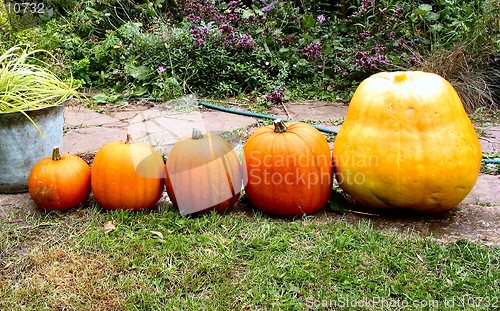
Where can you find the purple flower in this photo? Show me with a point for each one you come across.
(199, 42)
(275, 97)
(413, 60)
(226, 29)
(312, 51)
(383, 10)
(229, 35)
(232, 17)
(200, 10)
(321, 18)
(246, 42)
(380, 58)
(378, 48)
(200, 35)
(360, 55)
(367, 3)
(228, 43)
(268, 7)
(194, 19)
(398, 9)
(372, 62)
(161, 69)
(233, 4)
(363, 8)
(363, 35)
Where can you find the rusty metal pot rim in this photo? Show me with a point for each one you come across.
(61, 104)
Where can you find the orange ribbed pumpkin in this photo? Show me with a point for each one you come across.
(203, 173)
(127, 176)
(288, 169)
(407, 142)
(59, 182)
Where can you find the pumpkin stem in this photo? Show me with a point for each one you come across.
(400, 77)
(197, 134)
(279, 126)
(56, 154)
(129, 138)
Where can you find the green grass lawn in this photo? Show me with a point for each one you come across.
(241, 260)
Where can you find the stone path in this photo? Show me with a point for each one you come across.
(165, 123)
(490, 141)
(160, 126)
(476, 218)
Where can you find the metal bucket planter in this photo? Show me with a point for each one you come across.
(22, 145)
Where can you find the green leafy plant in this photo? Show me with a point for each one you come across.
(27, 84)
(4, 19)
(310, 49)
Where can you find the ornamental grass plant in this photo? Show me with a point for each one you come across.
(27, 83)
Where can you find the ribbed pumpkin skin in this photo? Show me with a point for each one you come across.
(408, 140)
(59, 184)
(203, 175)
(127, 176)
(289, 173)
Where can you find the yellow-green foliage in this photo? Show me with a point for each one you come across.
(26, 85)
(4, 20)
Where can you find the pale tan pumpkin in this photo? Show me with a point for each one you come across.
(203, 173)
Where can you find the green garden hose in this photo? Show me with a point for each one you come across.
(262, 116)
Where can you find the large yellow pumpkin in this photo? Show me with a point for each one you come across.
(407, 142)
(127, 175)
(203, 173)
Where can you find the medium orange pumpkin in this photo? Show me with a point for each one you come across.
(60, 182)
(407, 142)
(127, 176)
(288, 169)
(203, 173)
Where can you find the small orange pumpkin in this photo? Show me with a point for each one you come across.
(60, 182)
(203, 173)
(288, 169)
(127, 176)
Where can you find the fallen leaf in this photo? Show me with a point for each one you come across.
(420, 258)
(108, 226)
(158, 234)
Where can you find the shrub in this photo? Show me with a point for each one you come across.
(465, 49)
(227, 48)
